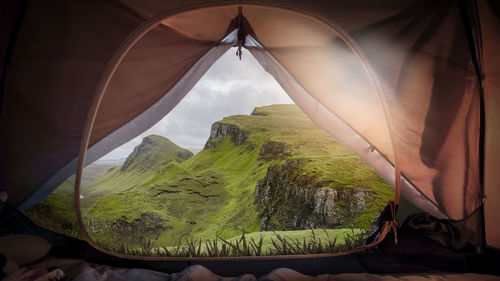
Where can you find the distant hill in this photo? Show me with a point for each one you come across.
(90, 174)
(153, 152)
(101, 161)
(57, 211)
(273, 170)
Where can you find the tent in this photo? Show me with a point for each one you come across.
(410, 86)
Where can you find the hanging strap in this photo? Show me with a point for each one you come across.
(241, 24)
(242, 32)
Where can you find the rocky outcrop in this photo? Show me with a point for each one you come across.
(147, 227)
(141, 149)
(289, 199)
(184, 155)
(273, 150)
(220, 130)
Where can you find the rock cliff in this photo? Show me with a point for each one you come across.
(219, 130)
(289, 199)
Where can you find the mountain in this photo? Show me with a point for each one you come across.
(272, 170)
(153, 152)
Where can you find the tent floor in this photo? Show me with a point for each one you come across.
(413, 254)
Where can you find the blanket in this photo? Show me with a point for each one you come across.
(80, 270)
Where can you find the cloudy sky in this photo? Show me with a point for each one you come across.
(229, 87)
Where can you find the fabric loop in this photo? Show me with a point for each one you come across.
(242, 32)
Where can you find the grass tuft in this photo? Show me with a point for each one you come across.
(242, 246)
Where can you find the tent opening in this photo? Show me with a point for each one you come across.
(235, 169)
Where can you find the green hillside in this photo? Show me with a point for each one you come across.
(147, 157)
(57, 211)
(273, 170)
(90, 174)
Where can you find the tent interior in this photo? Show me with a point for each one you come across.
(411, 87)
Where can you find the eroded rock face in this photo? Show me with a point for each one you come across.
(147, 227)
(290, 200)
(273, 150)
(143, 150)
(220, 130)
(184, 155)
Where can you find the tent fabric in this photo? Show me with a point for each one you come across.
(50, 81)
(146, 119)
(418, 52)
(489, 15)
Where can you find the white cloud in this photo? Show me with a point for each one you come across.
(229, 87)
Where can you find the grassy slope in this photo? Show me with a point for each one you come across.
(212, 192)
(56, 212)
(91, 173)
(330, 159)
(155, 152)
